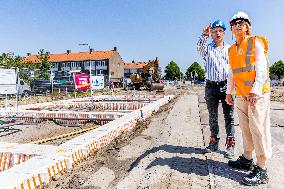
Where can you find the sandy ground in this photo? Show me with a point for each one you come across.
(277, 94)
(24, 133)
(158, 157)
(167, 152)
(223, 176)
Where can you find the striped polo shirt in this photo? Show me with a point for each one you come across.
(216, 59)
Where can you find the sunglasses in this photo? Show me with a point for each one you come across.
(240, 22)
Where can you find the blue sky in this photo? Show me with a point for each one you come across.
(141, 29)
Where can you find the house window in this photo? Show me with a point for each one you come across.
(63, 65)
(103, 63)
(100, 72)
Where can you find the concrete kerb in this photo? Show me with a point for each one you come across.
(62, 117)
(12, 154)
(37, 172)
(80, 147)
(95, 98)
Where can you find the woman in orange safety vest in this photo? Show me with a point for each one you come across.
(249, 78)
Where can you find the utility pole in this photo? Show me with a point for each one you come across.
(90, 68)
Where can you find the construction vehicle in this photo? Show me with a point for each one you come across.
(148, 78)
(11, 84)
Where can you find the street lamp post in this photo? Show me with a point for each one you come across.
(90, 68)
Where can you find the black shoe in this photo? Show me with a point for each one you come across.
(230, 143)
(213, 145)
(241, 163)
(256, 177)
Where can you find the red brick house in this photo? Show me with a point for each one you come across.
(108, 63)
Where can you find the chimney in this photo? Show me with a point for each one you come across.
(91, 51)
(29, 54)
(48, 53)
(115, 48)
(133, 61)
(68, 51)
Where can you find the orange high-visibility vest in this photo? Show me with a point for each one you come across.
(242, 62)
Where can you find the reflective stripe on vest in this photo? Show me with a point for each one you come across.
(250, 83)
(249, 67)
(248, 52)
(243, 69)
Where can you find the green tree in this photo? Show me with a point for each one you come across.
(173, 71)
(44, 64)
(6, 60)
(277, 69)
(195, 68)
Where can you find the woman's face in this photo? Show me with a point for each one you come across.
(239, 27)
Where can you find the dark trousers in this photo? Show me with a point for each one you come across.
(215, 92)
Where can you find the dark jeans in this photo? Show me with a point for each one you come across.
(214, 92)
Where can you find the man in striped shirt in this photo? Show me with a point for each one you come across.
(215, 55)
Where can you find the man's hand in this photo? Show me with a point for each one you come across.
(229, 99)
(207, 30)
(252, 98)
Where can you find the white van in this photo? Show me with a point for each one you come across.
(24, 89)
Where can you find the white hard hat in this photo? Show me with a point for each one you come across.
(241, 15)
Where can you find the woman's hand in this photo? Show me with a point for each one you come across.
(229, 99)
(252, 98)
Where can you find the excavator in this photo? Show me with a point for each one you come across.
(149, 77)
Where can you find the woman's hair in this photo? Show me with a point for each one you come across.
(248, 32)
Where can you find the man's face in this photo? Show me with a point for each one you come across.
(218, 34)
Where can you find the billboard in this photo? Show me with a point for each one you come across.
(82, 82)
(8, 81)
(97, 82)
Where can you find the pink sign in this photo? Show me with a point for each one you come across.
(82, 82)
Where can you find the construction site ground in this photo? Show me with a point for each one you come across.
(26, 132)
(167, 151)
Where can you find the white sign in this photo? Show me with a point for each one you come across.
(97, 82)
(8, 81)
(32, 73)
(52, 74)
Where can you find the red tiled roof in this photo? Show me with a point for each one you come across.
(78, 56)
(136, 65)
